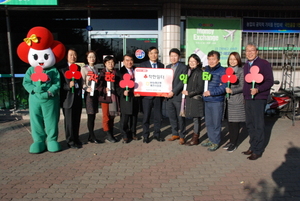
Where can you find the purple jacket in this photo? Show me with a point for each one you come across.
(264, 87)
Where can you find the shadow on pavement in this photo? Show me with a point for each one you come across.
(286, 177)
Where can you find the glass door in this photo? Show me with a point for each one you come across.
(119, 43)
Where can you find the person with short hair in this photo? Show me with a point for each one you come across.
(130, 107)
(151, 102)
(214, 101)
(71, 102)
(174, 98)
(109, 103)
(255, 107)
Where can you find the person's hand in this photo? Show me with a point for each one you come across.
(170, 95)
(137, 95)
(206, 93)
(89, 89)
(126, 92)
(184, 92)
(72, 84)
(228, 90)
(254, 91)
(107, 90)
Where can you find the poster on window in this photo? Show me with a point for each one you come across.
(153, 81)
(206, 34)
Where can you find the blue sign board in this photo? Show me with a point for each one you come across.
(269, 25)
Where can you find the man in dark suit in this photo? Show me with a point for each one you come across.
(174, 98)
(129, 108)
(71, 103)
(149, 102)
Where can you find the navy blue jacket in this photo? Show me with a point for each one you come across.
(215, 86)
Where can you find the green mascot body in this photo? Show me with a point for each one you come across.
(42, 82)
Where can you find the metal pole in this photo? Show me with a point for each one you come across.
(11, 60)
(89, 32)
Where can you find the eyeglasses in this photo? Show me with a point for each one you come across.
(250, 50)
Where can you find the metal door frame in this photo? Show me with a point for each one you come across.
(124, 34)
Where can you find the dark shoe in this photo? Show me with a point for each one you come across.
(125, 140)
(231, 148)
(194, 140)
(146, 140)
(248, 152)
(80, 143)
(254, 156)
(226, 145)
(159, 139)
(96, 141)
(135, 137)
(110, 137)
(73, 146)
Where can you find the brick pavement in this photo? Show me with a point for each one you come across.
(158, 171)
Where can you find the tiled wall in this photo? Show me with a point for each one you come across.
(171, 29)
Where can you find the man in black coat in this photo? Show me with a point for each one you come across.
(152, 102)
(71, 102)
(130, 107)
(174, 98)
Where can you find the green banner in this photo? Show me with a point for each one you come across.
(206, 34)
(29, 2)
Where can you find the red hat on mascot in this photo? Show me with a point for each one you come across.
(40, 38)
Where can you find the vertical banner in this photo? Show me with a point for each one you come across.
(206, 34)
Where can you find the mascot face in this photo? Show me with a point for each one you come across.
(40, 49)
(44, 58)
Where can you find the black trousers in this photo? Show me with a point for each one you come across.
(154, 104)
(128, 123)
(255, 123)
(72, 123)
(234, 131)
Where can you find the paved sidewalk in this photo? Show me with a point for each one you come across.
(158, 171)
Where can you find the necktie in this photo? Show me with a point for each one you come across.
(153, 65)
(131, 73)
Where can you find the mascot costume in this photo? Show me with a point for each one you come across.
(42, 82)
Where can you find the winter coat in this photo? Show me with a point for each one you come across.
(215, 85)
(235, 101)
(132, 105)
(194, 101)
(264, 87)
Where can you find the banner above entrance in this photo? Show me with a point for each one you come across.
(271, 25)
(206, 34)
(29, 2)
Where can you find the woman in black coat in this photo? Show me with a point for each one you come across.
(194, 102)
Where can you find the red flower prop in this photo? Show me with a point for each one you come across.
(126, 82)
(254, 76)
(229, 77)
(73, 74)
(39, 75)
